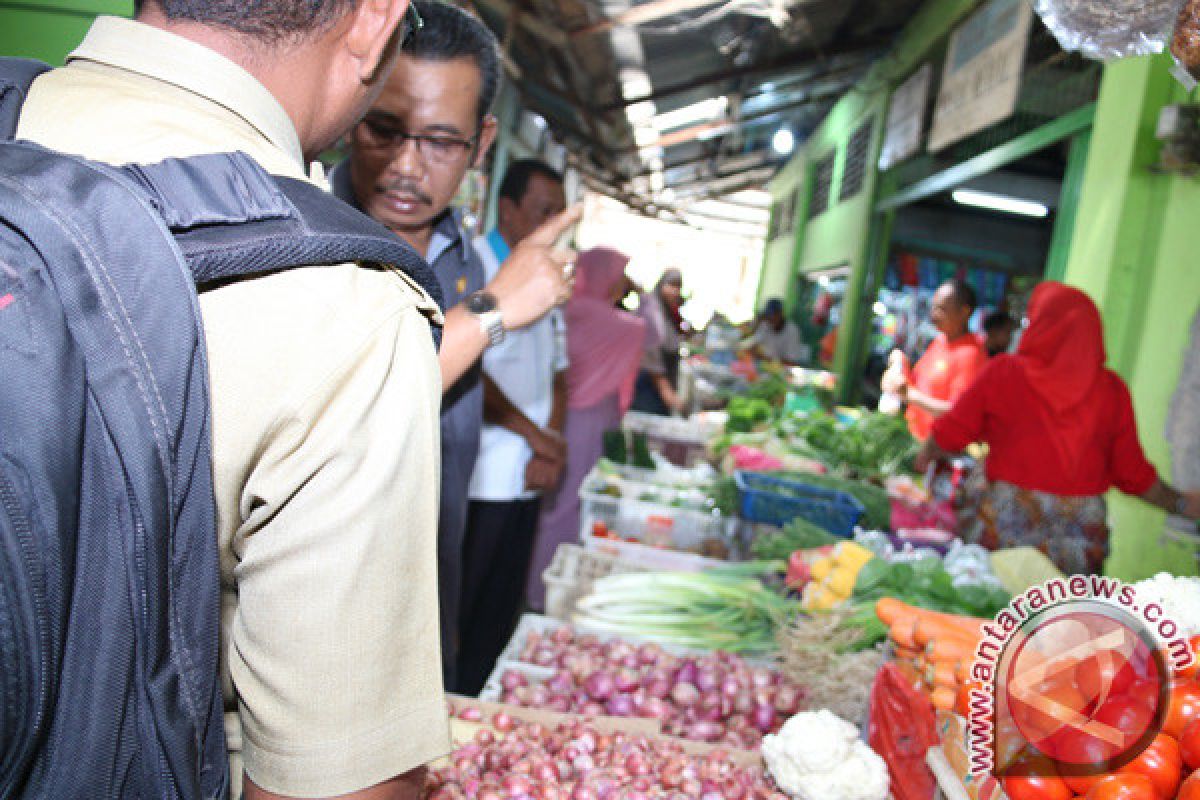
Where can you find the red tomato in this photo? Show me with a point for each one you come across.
(1124, 714)
(1100, 675)
(1157, 763)
(1123, 787)
(1190, 788)
(1184, 707)
(1146, 691)
(1189, 745)
(1192, 670)
(1081, 750)
(1036, 787)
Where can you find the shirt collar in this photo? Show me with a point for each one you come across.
(136, 47)
(448, 233)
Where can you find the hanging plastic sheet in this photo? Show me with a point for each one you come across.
(1106, 30)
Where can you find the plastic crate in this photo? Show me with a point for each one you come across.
(680, 441)
(777, 501)
(662, 522)
(573, 571)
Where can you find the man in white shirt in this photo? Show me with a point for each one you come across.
(777, 338)
(521, 452)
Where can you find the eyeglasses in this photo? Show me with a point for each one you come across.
(438, 148)
(412, 22)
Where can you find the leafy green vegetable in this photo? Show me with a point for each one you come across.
(878, 508)
(926, 584)
(724, 494)
(875, 447)
(747, 413)
(615, 448)
(641, 452)
(799, 534)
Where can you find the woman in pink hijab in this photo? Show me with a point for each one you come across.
(604, 345)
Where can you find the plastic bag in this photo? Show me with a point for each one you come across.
(901, 729)
(1106, 30)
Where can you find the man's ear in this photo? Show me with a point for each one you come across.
(487, 136)
(372, 38)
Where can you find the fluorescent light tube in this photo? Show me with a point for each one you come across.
(999, 202)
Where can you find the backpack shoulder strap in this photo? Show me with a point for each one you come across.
(16, 76)
(232, 219)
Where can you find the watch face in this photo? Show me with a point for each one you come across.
(481, 303)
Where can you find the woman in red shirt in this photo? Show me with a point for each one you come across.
(1061, 432)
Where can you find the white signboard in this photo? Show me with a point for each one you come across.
(982, 78)
(906, 118)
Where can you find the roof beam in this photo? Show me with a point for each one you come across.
(860, 50)
(645, 12)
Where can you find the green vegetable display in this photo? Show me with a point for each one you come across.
(707, 610)
(799, 534)
(747, 413)
(926, 584)
(878, 508)
(877, 446)
(641, 452)
(615, 448)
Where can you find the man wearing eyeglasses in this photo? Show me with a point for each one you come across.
(325, 392)
(408, 157)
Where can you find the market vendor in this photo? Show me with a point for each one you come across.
(775, 337)
(948, 367)
(1061, 432)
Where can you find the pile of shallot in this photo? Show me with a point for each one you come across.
(716, 698)
(529, 761)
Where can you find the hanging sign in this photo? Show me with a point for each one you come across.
(906, 118)
(982, 77)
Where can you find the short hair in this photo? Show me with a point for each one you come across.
(449, 33)
(270, 21)
(773, 306)
(998, 320)
(521, 172)
(963, 293)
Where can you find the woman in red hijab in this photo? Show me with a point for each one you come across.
(604, 346)
(1060, 431)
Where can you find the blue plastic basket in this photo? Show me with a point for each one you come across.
(777, 501)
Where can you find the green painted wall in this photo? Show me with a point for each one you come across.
(49, 29)
(1134, 250)
(842, 235)
(779, 255)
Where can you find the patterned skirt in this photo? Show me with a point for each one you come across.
(1071, 531)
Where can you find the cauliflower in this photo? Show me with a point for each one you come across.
(818, 756)
(1179, 597)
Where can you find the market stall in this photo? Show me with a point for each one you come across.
(764, 602)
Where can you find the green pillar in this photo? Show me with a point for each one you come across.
(1068, 206)
(1133, 250)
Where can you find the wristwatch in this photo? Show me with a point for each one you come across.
(483, 306)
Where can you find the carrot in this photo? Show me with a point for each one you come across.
(943, 674)
(909, 653)
(901, 632)
(951, 650)
(890, 610)
(944, 698)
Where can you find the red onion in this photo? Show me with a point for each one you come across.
(620, 705)
(599, 685)
(686, 672)
(626, 680)
(706, 679)
(685, 694)
(764, 718)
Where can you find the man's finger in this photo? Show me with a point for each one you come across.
(549, 231)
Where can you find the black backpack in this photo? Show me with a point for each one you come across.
(109, 683)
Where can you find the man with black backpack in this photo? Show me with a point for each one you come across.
(325, 391)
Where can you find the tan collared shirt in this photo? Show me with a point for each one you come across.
(326, 391)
